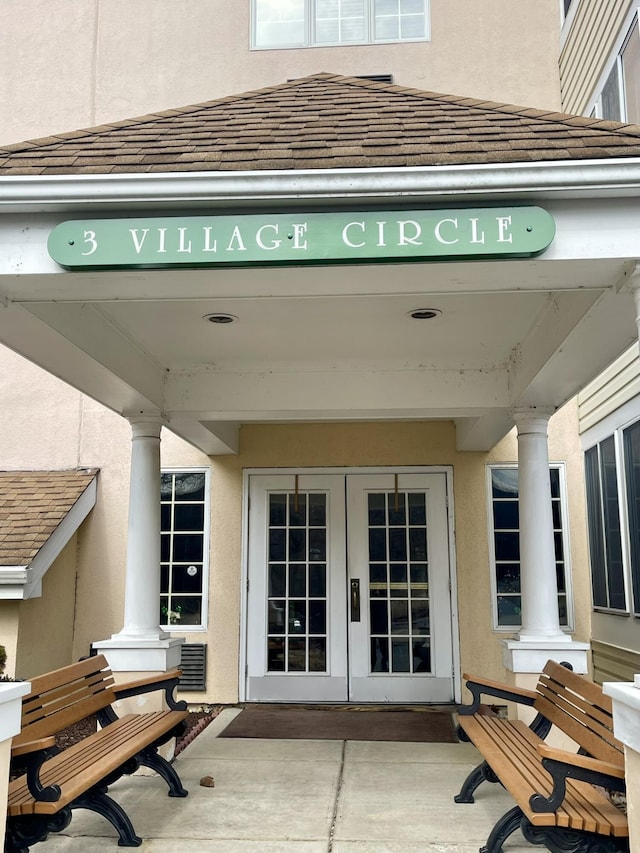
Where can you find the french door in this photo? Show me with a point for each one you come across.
(349, 588)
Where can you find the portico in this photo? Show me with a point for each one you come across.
(323, 344)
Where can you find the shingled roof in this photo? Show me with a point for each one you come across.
(32, 505)
(324, 121)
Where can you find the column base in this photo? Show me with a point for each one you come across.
(532, 655)
(129, 654)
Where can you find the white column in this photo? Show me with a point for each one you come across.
(142, 584)
(540, 636)
(141, 645)
(538, 581)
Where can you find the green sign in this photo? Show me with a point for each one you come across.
(302, 238)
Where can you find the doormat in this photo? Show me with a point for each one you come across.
(412, 725)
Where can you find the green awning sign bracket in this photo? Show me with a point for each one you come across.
(302, 238)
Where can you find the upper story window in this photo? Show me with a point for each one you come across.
(504, 544)
(315, 23)
(618, 97)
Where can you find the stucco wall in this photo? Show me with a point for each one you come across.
(115, 59)
(45, 633)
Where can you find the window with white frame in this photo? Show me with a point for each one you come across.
(618, 97)
(315, 23)
(184, 502)
(504, 547)
(612, 472)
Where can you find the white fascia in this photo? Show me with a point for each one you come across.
(22, 582)
(559, 179)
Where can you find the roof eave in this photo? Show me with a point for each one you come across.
(322, 186)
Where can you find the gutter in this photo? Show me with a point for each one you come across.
(560, 179)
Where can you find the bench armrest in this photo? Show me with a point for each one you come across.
(166, 681)
(28, 757)
(484, 687)
(564, 765)
(28, 746)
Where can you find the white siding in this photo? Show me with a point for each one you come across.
(614, 387)
(592, 37)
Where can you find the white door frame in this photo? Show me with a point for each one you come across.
(367, 469)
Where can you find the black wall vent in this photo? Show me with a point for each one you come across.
(376, 78)
(193, 663)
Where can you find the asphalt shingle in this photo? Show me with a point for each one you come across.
(32, 505)
(324, 121)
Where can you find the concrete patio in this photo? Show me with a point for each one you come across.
(302, 796)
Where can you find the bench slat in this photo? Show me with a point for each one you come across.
(51, 680)
(591, 691)
(511, 752)
(35, 706)
(587, 733)
(88, 762)
(57, 722)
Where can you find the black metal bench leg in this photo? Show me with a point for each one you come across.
(154, 761)
(560, 840)
(97, 800)
(508, 823)
(481, 773)
(22, 832)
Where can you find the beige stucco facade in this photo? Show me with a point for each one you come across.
(123, 59)
(193, 52)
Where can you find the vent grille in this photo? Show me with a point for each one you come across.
(193, 663)
(376, 78)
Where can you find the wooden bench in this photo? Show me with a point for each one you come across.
(557, 804)
(54, 781)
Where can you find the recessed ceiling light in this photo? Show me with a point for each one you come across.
(424, 313)
(221, 319)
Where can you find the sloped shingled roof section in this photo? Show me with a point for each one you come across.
(325, 121)
(32, 505)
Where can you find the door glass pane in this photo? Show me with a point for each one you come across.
(399, 606)
(297, 583)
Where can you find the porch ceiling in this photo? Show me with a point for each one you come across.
(332, 343)
(328, 343)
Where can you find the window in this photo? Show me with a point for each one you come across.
(619, 96)
(184, 548)
(567, 13)
(504, 525)
(603, 514)
(612, 472)
(314, 23)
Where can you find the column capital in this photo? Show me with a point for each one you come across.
(532, 419)
(146, 424)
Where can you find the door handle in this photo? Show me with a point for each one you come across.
(355, 600)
